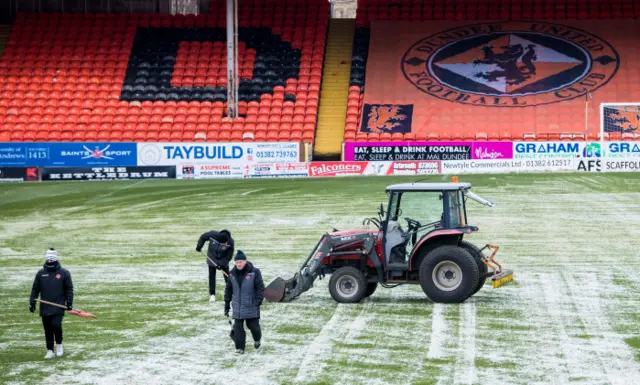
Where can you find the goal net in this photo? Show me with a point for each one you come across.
(618, 119)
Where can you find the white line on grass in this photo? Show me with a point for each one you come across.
(251, 192)
(465, 370)
(614, 355)
(560, 315)
(100, 198)
(438, 332)
(359, 323)
(420, 352)
(159, 202)
(321, 344)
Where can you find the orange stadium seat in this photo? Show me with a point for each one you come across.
(85, 78)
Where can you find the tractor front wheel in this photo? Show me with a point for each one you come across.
(448, 274)
(348, 285)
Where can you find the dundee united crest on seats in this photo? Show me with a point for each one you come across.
(511, 64)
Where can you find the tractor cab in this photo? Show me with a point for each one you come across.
(418, 211)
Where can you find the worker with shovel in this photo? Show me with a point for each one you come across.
(219, 253)
(245, 289)
(53, 284)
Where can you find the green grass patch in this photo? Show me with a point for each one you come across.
(130, 249)
(634, 342)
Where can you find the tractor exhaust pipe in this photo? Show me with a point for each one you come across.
(281, 290)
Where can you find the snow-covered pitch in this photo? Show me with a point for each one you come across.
(572, 316)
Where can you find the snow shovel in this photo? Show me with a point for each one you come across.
(232, 333)
(216, 265)
(78, 312)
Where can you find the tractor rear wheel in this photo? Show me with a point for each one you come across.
(448, 274)
(477, 255)
(348, 285)
(371, 288)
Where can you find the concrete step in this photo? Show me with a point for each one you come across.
(336, 86)
(334, 90)
(333, 103)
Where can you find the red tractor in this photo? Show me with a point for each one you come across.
(430, 252)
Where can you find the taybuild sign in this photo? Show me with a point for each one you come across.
(394, 151)
(107, 173)
(542, 150)
(68, 154)
(486, 166)
(166, 154)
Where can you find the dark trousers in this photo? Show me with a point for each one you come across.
(52, 328)
(212, 278)
(240, 336)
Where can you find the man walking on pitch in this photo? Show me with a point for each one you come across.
(219, 253)
(52, 284)
(245, 289)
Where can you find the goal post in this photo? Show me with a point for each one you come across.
(619, 120)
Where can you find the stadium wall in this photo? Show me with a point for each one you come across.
(447, 80)
(113, 161)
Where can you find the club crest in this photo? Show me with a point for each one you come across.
(512, 64)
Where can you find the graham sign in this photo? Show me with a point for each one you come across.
(622, 149)
(538, 150)
(171, 154)
(616, 149)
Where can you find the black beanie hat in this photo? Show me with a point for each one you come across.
(240, 256)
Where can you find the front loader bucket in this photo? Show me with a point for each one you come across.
(281, 290)
(275, 291)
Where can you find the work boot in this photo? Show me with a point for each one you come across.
(59, 350)
(49, 355)
(256, 344)
(240, 351)
(212, 299)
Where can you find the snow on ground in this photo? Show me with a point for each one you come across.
(566, 320)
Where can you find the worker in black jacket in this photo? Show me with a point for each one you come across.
(221, 247)
(52, 284)
(245, 290)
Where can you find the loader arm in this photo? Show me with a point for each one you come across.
(280, 290)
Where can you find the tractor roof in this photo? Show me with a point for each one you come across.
(428, 187)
